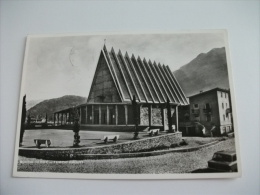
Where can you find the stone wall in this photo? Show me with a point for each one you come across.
(162, 141)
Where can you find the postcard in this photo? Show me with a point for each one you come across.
(127, 106)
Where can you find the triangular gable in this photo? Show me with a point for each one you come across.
(122, 77)
(104, 87)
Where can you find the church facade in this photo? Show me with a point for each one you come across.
(118, 80)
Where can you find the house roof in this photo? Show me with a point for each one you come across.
(148, 81)
(211, 90)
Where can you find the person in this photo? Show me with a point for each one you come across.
(212, 131)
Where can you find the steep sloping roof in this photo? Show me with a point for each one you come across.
(149, 82)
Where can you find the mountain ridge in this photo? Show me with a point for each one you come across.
(205, 72)
(50, 106)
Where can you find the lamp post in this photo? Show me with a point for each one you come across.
(169, 115)
(135, 116)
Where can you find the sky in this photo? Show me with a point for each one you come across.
(65, 65)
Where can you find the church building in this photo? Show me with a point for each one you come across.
(120, 78)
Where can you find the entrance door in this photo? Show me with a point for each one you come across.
(111, 116)
(103, 115)
(96, 117)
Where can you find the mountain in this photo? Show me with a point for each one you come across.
(31, 103)
(53, 105)
(206, 71)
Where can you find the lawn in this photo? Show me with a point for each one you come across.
(64, 138)
(168, 163)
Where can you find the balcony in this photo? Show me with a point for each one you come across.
(207, 110)
(195, 112)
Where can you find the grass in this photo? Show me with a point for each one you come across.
(168, 163)
(64, 138)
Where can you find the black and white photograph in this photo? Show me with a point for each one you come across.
(127, 106)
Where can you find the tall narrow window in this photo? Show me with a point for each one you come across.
(224, 117)
(223, 105)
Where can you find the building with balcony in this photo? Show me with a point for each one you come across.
(210, 113)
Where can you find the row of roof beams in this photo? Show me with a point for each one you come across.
(158, 79)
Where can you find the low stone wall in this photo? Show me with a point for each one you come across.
(162, 141)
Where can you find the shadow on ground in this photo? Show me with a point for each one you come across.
(206, 170)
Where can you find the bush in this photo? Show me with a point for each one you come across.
(183, 142)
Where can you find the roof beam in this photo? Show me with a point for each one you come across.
(153, 84)
(128, 71)
(113, 76)
(121, 94)
(150, 65)
(167, 86)
(120, 68)
(138, 69)
(177, 84)
(154, 65)
(172, 84)
(140, 63)
(136, 75)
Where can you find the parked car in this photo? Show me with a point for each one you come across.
(224, 161)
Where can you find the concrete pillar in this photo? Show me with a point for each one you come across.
(64, 118)
(107, 115)
(92, 114)
(54, 119)
(99, 113)
(169, 115)
(126, 114)
(163, 118)
(177, 119)
(150, 115)
(57, 118)
(86, 115)
(69, 117)
(116, 114)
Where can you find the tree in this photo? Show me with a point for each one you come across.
(136, 117)
(76, 127)
(28, 119)
(23, 117)
(46, 118)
